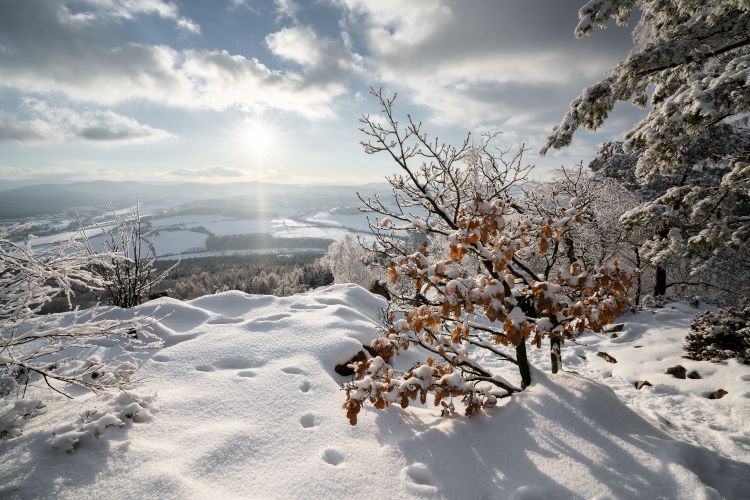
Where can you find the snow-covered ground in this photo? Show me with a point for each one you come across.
(242, 401)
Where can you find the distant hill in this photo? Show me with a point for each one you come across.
(44, 199)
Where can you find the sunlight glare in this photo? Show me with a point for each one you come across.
(259, 138)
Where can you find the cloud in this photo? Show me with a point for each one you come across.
(128, 9)
(72, 55)
(60, 172)
(481, 62)
(286, 9)
(13, 129)
(322, 58)
(208, 172)
(48, 123)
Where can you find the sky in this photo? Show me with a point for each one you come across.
(271, 90)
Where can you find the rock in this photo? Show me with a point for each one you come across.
(347, 371)
(158, 295)
(718, 394)
(693, 374)
(606, 357)
(379, 287)
(640, 383)
(372, 352)
(678, 371)
(613, 336)
(614, 327)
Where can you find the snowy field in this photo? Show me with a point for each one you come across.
(242, 401)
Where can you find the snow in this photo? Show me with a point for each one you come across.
(651, 342)
(243, 401)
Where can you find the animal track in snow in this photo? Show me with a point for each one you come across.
(332, 457)
(205, 368)
(274, 317)
(305, 386)
(419, 479)
(160, 358)
(330, 301)
(302, 307)
(246, 374)
(308, 420)
(293, 370)
(237, 363)
(223, 320)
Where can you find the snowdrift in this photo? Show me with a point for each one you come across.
(243, 402)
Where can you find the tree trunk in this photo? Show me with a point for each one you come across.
(660, 287)
(523, 365)
(638, 283)
(555, 356)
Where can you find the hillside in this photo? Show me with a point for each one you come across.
(242, 401)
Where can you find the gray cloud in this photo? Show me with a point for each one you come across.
(13, 129)
(49, 123)
(485, 61)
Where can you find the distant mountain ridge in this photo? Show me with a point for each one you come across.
(44, 199)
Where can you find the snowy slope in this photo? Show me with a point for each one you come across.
(247, 405)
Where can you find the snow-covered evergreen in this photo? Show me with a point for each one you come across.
(689, 157)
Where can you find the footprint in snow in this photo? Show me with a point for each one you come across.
(205, 368)
(418, 473)
(246, 374)
(160, 358)
(332, 457)
(305, 386)
(293, 370)
(302, 307)
(274, 317)
(308, 420)
(221, 320)
(418, 479)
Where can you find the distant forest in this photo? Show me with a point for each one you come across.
(267, 274)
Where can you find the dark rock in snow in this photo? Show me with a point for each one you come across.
(347, 371)
(158, 295)
(718, 394)
(379, 287)
(614, 327)
(640, 383)
(606, 357)
(678, 371)
(372, 352)
(693, 374)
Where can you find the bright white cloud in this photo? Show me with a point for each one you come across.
(48, 123)
(66, 54)
(321, 57)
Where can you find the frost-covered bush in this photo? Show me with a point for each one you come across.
(349, 262)
(720, 335)
(478, 299)
(41, 348)
(128, 271)
(120, 410)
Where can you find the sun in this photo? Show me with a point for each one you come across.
(259, 138)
